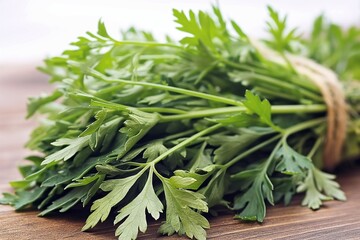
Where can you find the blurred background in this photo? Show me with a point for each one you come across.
(33, 29)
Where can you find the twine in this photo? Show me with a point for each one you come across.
(334, 98)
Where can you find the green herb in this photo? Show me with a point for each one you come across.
(138, 127)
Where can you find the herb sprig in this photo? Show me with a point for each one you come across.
(139, 127)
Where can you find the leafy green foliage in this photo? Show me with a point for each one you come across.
(277, 27)
(261, 108)
(23, 199)
(118, 189)
(259, 187)
(69, 200)
(134, 213)
(335, 47)
(291, 162)
(36, 103)
(93, 127)
(138, 127)
(319, 186)
(181, 211)
(232, 145)
(73, 146)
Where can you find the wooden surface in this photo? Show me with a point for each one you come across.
(336, 220)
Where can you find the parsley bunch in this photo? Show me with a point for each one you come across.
(138, 127)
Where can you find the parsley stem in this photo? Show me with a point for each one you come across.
(161, 110)
(98, 75)
(270, 158)
(159, 56)
(302, 126)
(179, 135)
(202, 113)
(316, 146)
(281, 84)
(270, 92)
(147, 44)
(289, 131)
(251, 150)
(281, 109)
(186, 142)
(256, 70)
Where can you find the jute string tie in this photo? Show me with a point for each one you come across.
(331, 89)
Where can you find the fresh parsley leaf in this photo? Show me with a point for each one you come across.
(260, 108)
(258, 187)
(277, 27)
(73, 146)
(117, 188)
(290, 161)
(25, 198)
(133, 215)
(136, 126)
(36, 103)
(94, 126)
(230, 146)
(154, 150)
(182, 212)
(319, 187)
(67, 201)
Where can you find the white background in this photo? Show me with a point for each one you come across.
(30, 30)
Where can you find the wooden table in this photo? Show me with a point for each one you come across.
(336, 220)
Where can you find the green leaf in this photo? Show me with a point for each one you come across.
(325, 182)
(150, 100)
(27, 197)
(251, 202)
(68, 174)
(118, 189)
(93, 181)
(35, 103)
(240, 120)
(239, 31)
(108, 169)
(93, 190)
(93, 127)
(290, 161)
(202, 29)
(231, 146)
(201, 175)
(134, 213)
(67, 201)
(319, 187)
(103, 137)
(137, 125)
(182, 214)
(83, 181)
(277, 27)
(102, 30)
(153, 150)
(8, 199)
(27, 170)
(55, 191)
(181, 182)
(284, 188)
(261, 108)
(201, 159)
(73, 146)
(215, 190)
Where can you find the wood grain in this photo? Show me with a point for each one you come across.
(336, 220)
